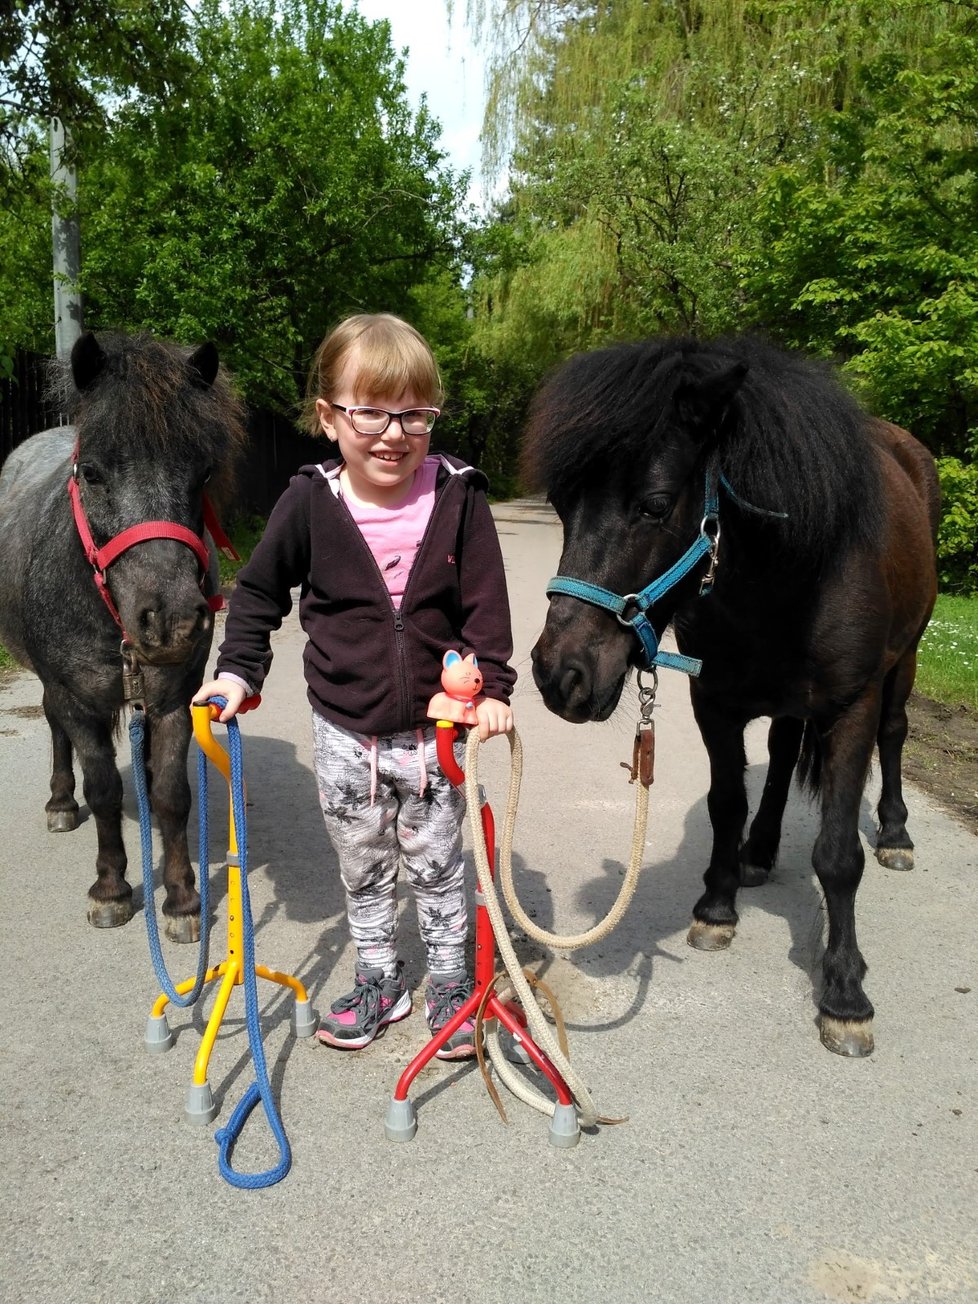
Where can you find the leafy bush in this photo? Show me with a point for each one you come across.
(957, 538)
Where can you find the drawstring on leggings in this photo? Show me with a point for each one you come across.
(423, 777)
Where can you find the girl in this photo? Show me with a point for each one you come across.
(396, 556)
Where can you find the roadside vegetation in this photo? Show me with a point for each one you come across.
(947, 660)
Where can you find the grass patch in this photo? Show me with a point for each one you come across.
(6, 660)
(947, 659)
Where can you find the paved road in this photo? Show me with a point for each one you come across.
(754, 1167)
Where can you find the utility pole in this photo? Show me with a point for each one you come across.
(66, 244)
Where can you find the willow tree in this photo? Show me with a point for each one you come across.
(636, 134)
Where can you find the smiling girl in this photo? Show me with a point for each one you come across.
(396, 557)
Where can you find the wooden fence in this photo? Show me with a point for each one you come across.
(274, 451)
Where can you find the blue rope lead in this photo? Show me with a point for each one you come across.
(137, 743)
(261, 1088)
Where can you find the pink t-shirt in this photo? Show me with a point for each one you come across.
(394, 534)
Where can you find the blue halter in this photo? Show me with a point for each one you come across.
(705, 544)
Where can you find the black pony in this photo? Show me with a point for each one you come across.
(152, 425)
(810, 526)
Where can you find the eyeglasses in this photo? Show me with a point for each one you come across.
(374, 421)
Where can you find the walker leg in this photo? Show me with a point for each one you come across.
(305, 1020)
(158, 1036)
(565, 1131)
(401, 1122)
(201, 1106)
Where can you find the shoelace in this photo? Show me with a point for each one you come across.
(444, 1001)
(367, 998)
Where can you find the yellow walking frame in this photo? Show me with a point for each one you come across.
(201, 1106)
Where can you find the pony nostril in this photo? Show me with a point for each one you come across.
(574, 684)
(149, 624)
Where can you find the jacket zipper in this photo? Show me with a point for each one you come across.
(398, 623)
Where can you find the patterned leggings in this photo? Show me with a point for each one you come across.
(383, 805)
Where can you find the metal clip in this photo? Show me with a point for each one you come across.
(133, 688)
(706, 583)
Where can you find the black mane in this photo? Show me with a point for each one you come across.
(793, 440)
(147, 403)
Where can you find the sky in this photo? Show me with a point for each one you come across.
(443, 63)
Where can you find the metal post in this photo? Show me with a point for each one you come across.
(65, 243)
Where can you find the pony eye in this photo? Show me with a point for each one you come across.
(90, 474)
(656, 508)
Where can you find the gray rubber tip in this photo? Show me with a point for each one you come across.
(305, 1020)
(401, 1122)
(565, 1131)
(158, 1036)
(201, 1106)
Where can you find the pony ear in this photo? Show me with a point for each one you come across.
(204, 361)
(451, 658)
(87, 361)
(704, 399)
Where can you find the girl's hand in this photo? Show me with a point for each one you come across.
(494, 717)
(229, 688)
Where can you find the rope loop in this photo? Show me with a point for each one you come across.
(137, 744)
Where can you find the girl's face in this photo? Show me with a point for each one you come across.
(379, 468)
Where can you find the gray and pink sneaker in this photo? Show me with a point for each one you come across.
(445, 997)
(357, 1018)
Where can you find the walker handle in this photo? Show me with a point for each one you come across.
(249, 704)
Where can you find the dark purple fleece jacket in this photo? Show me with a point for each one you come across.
(369, 668)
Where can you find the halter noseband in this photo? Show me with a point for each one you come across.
(100, 559)
(630, 608)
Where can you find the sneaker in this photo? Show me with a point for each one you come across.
(358, 1017)
(445, 998)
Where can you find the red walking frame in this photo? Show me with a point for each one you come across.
(401, 1122)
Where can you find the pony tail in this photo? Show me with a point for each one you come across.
(809, 768)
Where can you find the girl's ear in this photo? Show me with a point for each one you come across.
(471, 658)
(325, 413)
(450, 658)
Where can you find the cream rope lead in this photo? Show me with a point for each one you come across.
(572, 941)
(538, 1025)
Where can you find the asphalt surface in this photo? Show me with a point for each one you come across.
(754, 1165)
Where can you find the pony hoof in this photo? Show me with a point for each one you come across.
(895, 857)
(182, 928)
(109, 914)
(753, 875)
(62, 821)
(710, 937)
(853, 1038)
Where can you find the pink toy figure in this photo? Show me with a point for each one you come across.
(461, 679)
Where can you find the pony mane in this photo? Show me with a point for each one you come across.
(793, 439)
(146, 400)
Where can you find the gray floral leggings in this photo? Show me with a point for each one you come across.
(386, 801)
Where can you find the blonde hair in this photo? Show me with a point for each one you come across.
(393, 358)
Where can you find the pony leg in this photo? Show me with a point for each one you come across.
(846, 1015)
(760, 851)
(894, 848)
(110, 896)
(62, 809)
(170, 802)
(714, 914)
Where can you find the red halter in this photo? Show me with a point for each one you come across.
(100, 559)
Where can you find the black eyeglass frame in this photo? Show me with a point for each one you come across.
(353, 412)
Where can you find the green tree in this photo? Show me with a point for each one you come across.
(64, 58)
(286, 186)
(869, 250)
